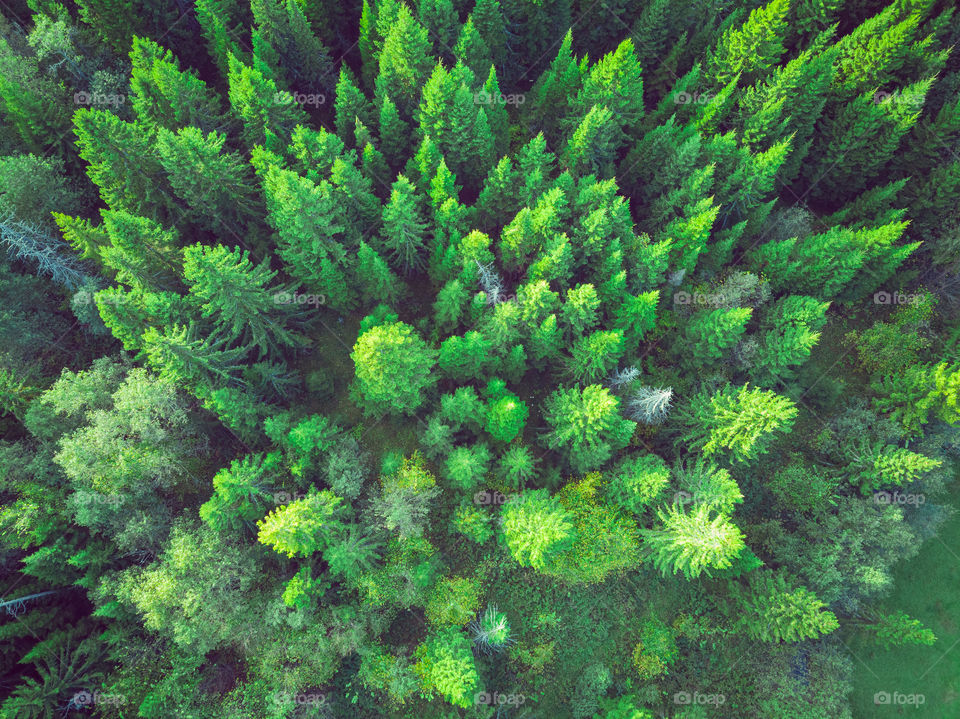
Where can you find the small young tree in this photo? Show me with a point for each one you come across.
(586, 426)
(692, 543)
(649, 405)
(739, 423)
(637, 482)
(445, 665)
(536, 528)
(393, 369)
(771, 610)
(303, 527)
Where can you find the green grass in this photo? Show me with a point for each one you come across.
(926, 589)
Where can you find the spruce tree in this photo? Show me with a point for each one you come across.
(238, 295)
(771, 610)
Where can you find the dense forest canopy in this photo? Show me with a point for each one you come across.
(475, 358)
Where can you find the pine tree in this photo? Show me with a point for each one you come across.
(616, 82)
(710, 332)
(536, 528)
(309, 222)
(268, 115)
(506, 413)
(403, 235)
(897, 629)
(592, 148)
(692, 543)
(636, 316)
(368, 43)
(791, 329)
(449, 307)
(34, 105)
(122, 164)
(637, 482)
(164, 96)
(376, 282)
(440, 19)
(473, 51)
(750, 50)
(180, 355)
(865, 133)
(738, 423)
(237, 293)
(221, 22)
(488, 18)
(143, 253)
(586, 425)
(593, 356)
(215, 184)
(404, 62)
(580, 309)
(394, 134)
(303, 527)
(284, 42)
(921, 390)
(466, 466)
(241, 492)
(446, 666)
(465, 358)
(771, 610)
(497, 116)
(350, 105)
(555, 90)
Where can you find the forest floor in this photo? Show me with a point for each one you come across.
(926, 589)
